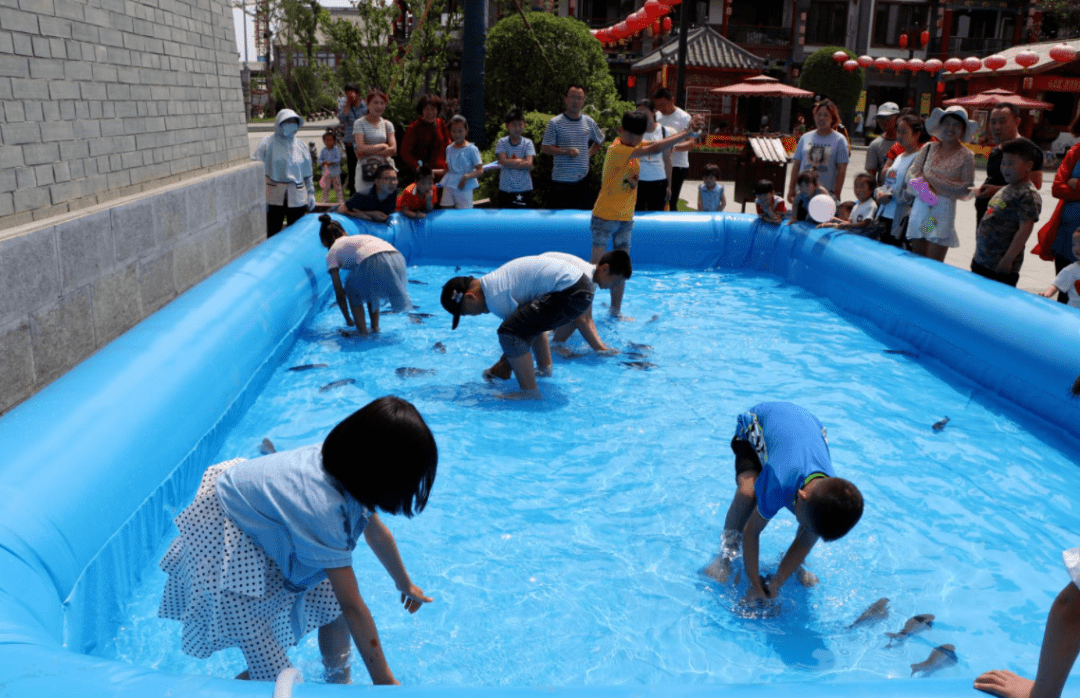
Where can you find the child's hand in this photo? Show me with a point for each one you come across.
(461, 183)
(413, 598)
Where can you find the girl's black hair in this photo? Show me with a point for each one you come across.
(384, 456)
(329, 230)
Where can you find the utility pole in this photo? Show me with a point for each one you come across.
(472, 69)
(680, 71)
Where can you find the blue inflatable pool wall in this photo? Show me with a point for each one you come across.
(94, 464)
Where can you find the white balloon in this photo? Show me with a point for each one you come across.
(822, 207)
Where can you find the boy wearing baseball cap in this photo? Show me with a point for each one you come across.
(531, 295)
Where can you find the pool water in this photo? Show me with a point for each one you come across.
(564, 539)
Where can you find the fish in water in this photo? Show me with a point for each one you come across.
(940, 657)
(267, 447)
(903, 352)
(915, 624)
(457, 268)
(337, 384)
(639, 347)
(410, 372)
(938, 426)
(638, 365)
(634, 355)
(877, 611)
(654, 318)
(306, 367)
(439, 347)
(416, 319)
(417, 282)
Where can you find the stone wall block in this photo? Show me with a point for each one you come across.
(203, 201)
(156, 282)
(30, 273)
(116, 304)
(216, 246)
(62, 334)
(170, 210)
(85, 247)
(16, 364)
(189, 263)
(133, 230)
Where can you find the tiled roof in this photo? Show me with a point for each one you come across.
(1042, 50)
(705, 48)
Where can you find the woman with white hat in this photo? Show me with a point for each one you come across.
(947, 169)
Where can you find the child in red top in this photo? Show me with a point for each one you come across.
(769, 206)
(418, 199)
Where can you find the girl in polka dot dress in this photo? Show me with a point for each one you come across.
(264, 554)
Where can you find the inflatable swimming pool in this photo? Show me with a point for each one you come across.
(94, 462)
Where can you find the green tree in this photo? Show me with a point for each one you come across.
(373, 58)
(531, 66)
(824, 76)
(1061, 20)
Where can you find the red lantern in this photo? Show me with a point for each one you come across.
(954, 65)
(882, 63)
(654, 28)
(1063, 53)
(631, 81)
(933, 66)
(940, 87)
(619, 31)
(653, 9)
(637, 21)
(667, 24)
(903, 41)
(994, 63)
(669, 3)
(601, 36)
(898, 64)
(971, 64)
(1026, 59)
(915, 65)
(840, 56)
(865, 61)
(851, 65)
(924, 38)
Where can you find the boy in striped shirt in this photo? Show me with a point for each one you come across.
(515, 154)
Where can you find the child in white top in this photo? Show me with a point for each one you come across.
(264, 553)
(330, 161)
(1068, 279)
(862, 213)
(463, 167)
(711, 195)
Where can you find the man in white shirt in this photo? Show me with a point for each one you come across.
(531, 295)
(675, 120)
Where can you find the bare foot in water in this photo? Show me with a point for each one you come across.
(806, 577)
(719, 569)
(1005, 684)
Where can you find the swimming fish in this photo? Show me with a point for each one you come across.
(938, 426)
(337, 384)
(267, 447)
(915, 624)
(306, 367)
(422, 315)
(418, 282)
(439, 347)
(654, 318)
(634, 355)
(457, 268)
(903, 352)
(639, 347)
(415, 319)
(638, 365)
(877, 611)
(410, 372)
(940, 657)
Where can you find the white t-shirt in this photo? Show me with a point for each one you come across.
(894, 182)
(1066, 282)
(863, 211)
(652, 166)
(579, 263)
(676, 122)
(525, 279)
(347, 252)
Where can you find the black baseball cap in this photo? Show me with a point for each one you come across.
(453, 296)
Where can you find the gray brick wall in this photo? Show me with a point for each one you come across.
(114, 94)
(72, 285)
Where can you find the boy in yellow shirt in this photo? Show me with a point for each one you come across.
(613, 214)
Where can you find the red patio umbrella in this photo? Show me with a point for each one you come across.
(761, 86)
(996, 96)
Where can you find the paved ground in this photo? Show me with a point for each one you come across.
(1035, 276)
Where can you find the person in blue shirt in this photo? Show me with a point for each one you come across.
(264, 554)
(782, 461)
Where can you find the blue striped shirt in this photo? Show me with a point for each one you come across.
(564, 132)
(514, 180)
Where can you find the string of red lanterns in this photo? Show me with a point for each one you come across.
(652, 17)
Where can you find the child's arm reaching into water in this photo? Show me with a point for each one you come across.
(382, 543)
(361, 624)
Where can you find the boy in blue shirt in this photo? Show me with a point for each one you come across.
(782, 460)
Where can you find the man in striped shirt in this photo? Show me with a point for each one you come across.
(572, 138)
